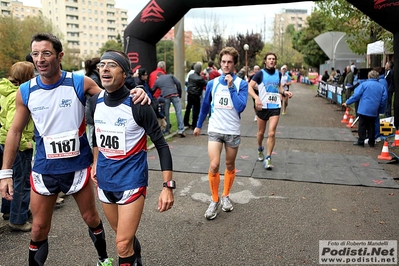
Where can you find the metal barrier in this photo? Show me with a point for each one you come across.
(330, 91)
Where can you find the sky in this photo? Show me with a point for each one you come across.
(246, 18)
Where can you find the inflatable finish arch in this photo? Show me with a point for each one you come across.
(159, 16)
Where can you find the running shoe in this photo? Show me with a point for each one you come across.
(267, 163)
(226, 204)
(255, 118)
(6, 216)
(283, 113)
(261, 157)
(106, 262)
(212, 210)
(26, 227)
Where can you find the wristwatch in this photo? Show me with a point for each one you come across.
(169, 184)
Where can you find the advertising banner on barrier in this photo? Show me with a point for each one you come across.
(330, 91)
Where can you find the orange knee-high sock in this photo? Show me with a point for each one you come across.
(228, 181)
(214, 180)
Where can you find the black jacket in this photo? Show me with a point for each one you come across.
(390, 81)
(195, 84)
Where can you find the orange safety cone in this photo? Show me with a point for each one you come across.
(385, 153)
(396, 141)
(345, 118)
(350, 122)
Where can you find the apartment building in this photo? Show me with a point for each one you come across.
(5, 7)
(18, 9)
(296, 17)
(170, 36)
(86, 25)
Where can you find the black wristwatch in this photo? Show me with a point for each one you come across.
(170, 184)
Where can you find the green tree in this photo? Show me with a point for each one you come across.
(254, 40)
(289, 56)
(268, 47)
(119, 39)
(165, 52)
(303, 40)
(360, 29)
(111, 45)
(213, 51)
(194, 53)
(208, 28)
(15, 35)
(71, 60)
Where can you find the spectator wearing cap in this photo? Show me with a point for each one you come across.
(285, 82)
(141, 79)
(120, 157)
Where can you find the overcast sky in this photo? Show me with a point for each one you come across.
(251, 18)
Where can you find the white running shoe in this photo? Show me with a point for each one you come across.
(261, 157)
(226, 204)
(256, 118)
(106, 262)
(212, 210)
(267, 163)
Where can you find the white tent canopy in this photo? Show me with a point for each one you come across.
(334, 45)
(376, 48)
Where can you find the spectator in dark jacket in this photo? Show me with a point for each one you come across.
(195, 86)
(391, 86)
(325, 77)
(130, 83)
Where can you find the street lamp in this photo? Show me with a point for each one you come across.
(246, 48)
